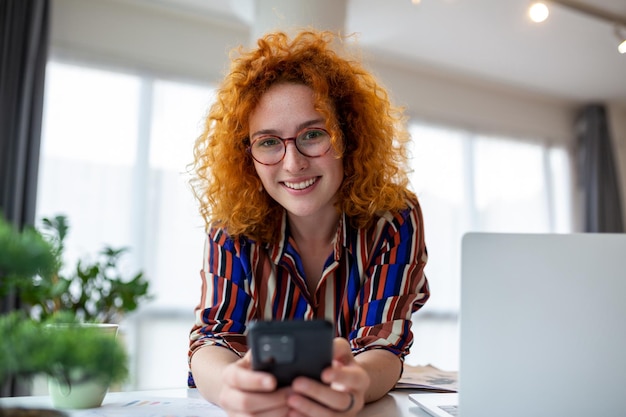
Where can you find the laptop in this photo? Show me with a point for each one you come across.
(542, 327)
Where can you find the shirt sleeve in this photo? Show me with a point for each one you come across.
(395, 285)
(225, 304)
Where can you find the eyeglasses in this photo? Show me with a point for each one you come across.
(271, 149)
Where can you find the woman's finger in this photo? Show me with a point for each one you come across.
(345, 374)
(255, 403)
(241, 376)
(313, 398)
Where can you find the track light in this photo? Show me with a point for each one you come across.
(620, 33)
(539, 12)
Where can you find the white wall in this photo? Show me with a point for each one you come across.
(145, 39)
(434, 95)
(196, 47)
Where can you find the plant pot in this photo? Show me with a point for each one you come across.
(76, 393)
(75, 390)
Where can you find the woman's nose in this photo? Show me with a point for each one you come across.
(294, 161)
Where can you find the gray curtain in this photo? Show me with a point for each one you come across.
(24, 27)
(597, 172)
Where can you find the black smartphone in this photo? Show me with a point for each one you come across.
(288, 349)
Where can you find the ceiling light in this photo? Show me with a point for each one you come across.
(416, 1)
(538, 12)
(621, 38)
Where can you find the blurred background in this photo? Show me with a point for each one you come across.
(500, 112)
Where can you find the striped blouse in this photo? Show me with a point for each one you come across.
(370, 285)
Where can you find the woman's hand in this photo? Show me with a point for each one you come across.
(250, 393)
(341, 394)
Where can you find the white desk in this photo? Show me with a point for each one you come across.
(394, 404)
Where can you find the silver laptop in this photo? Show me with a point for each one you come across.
(543, 327)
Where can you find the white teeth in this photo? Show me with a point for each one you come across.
(300, 185)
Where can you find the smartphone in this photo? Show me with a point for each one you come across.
(288, 349)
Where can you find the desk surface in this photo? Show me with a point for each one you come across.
(182, 402)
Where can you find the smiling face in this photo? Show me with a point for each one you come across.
(304, 186)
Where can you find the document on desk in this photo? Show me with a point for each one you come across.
(428, 378)
(154, 407)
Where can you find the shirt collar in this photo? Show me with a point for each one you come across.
(277, 250)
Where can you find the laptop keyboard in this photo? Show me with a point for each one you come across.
(453, 410)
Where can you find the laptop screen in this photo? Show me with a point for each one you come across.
(543, 325)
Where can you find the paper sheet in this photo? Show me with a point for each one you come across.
(428, 378)
(154, 407)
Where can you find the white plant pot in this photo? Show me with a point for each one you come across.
(76, 394)
(76, 391)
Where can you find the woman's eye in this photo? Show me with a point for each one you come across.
(312, 134)
(267, 142)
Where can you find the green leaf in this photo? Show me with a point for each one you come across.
(94, 289)
(28, 347)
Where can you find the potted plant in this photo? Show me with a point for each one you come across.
(82, 360)
(59, 335)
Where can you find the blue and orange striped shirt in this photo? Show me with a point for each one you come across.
(370, 285)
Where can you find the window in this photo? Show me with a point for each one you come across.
(114, 152)
(473, 182)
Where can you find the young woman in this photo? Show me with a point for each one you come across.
(301, 178)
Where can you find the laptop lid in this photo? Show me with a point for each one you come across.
(543, 325)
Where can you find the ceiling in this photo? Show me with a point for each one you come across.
(570, 56)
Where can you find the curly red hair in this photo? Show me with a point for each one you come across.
(367, 131)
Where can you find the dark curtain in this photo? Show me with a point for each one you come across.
(24, 27)
(597, 172)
